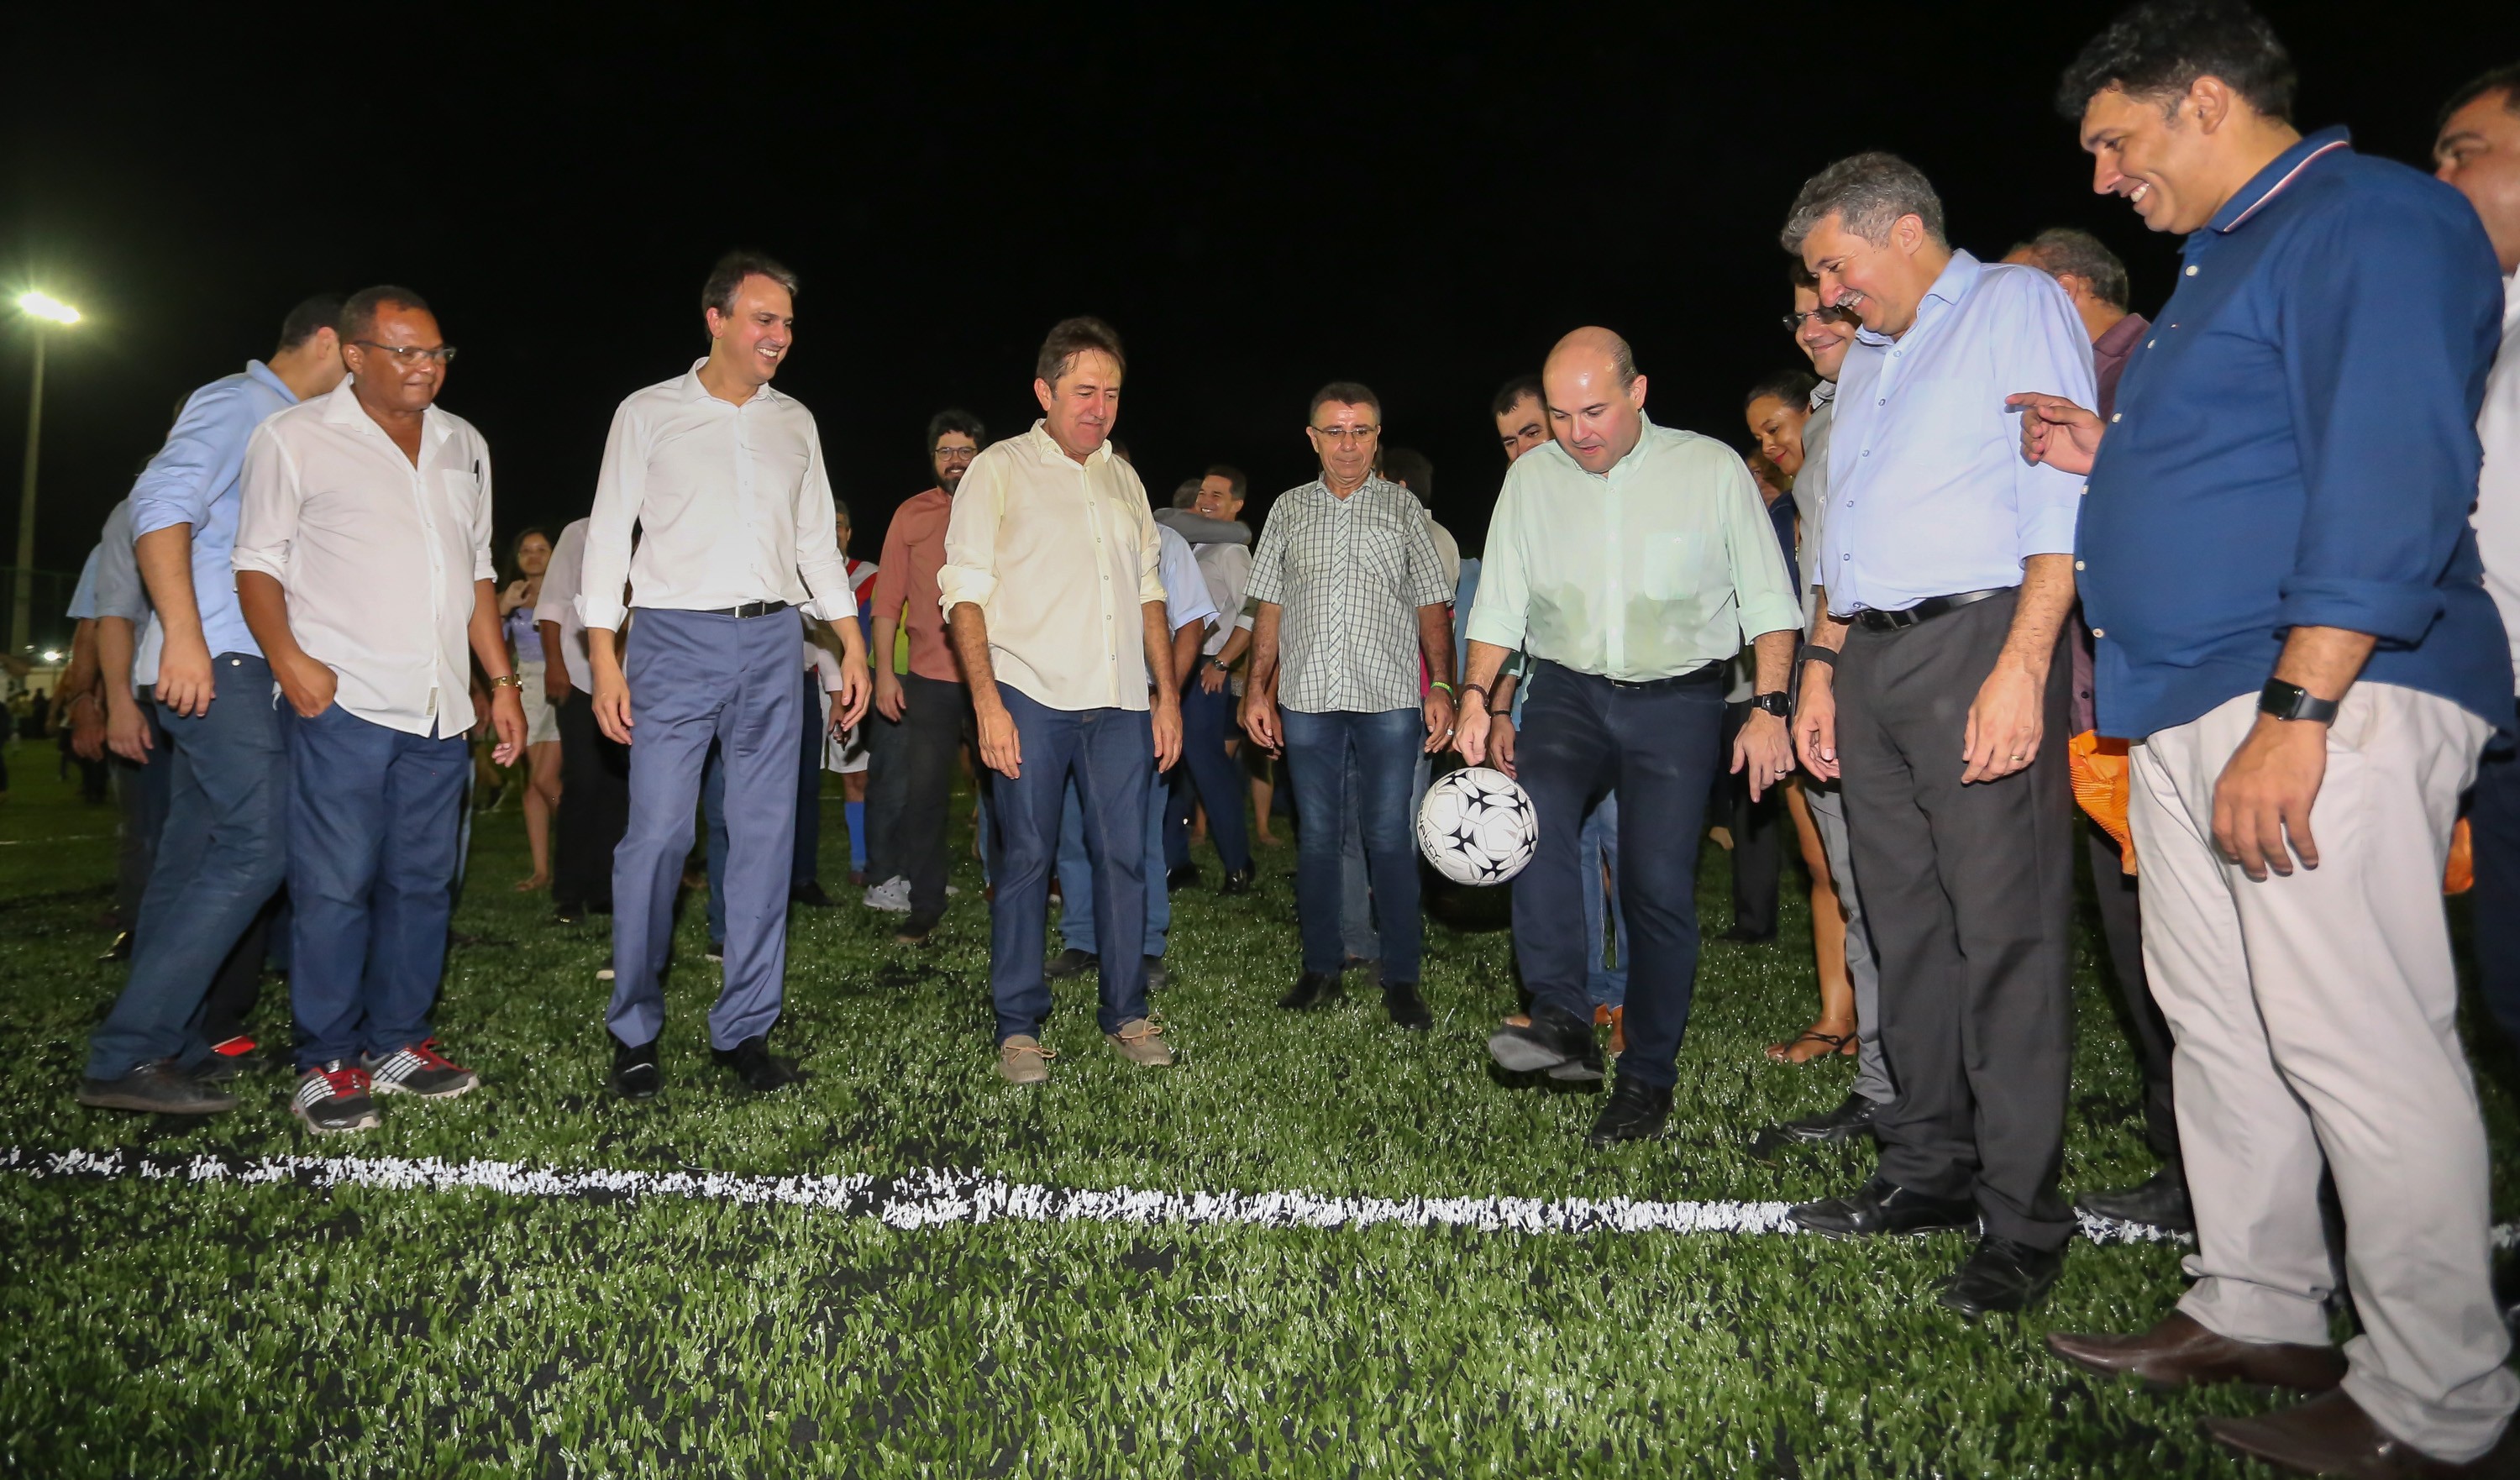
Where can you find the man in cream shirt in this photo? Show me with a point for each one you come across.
(1052, 592)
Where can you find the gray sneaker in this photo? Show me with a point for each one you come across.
(156, 1089)
(892, 896)
(1021, 1060)
(1141, 1040)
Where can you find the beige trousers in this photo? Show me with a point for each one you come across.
(2315, 1020)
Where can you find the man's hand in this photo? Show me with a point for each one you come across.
(1260, 720)
(1439, 720)
(87, 729)
(2004, 725)
(1165, 720)
(2265, 792)
(508, 723)
(891, 700)
(2056, 431)
(1763, 749)
(306, 684)
(126, 731)
(1816, 723)
(613, 704)
(1500, 741)
(1211, 678)
(183, 682)
(1001, 747)
(556, 683)
(1470, 736)
(857, 689)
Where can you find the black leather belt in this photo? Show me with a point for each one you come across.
(1704, 673)
(1925, 610)
(748, 608)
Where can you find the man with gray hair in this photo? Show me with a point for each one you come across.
(1948, 561)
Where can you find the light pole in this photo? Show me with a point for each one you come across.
(41, 310)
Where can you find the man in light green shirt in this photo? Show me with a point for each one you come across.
(1631, 562)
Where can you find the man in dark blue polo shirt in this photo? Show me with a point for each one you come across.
(2290, 619)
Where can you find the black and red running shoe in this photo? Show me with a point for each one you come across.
(418, 1069)
(333, 1096)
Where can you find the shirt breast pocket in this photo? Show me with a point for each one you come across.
(1676, 564)
(462, 488)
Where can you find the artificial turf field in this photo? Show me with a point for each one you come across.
(170, 1325)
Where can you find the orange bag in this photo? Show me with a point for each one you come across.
(2461, 876)
(2103, 777)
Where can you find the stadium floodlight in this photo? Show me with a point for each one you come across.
(46, 312)
(43, 305)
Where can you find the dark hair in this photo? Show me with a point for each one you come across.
(956, 419)
(359, 312)
(311, 316)
(726, 279)
(1345, 393)
(1791, 386)
(1185, 492)
(1515, 391)
(1758, 463)
(1412, 469)
(516, 549)
(2159, 49)
(1799, 276)
(2071, 251)
(1232, 477)
(1070, 337)
(2502, 79)
(1867, 193)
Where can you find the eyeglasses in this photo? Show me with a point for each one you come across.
(1793, 322)
(1345, 433)
(409, 355)
(956, 453)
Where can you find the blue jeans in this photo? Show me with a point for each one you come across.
(374, 819)
(1208, 722)
(1109, 753)
(1076, 873)
(1585, 737)
(1605, 981)
(1387, 747)
(221, 854)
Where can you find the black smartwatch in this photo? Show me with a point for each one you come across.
(1773, 703)
(2293, 701)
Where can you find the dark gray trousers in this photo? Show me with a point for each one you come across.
(2122, 926)
(1969, 891)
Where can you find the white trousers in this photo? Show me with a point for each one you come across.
(2314, 1018)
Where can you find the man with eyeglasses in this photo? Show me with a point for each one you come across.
(364, 567)
(222, 850)
(1350, 591)
(923, 717)
(724, 477)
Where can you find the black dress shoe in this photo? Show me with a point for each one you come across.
(1312, 990)
(810, 892)
(1881, 1206)
(2159, 1201)
(758, 1068)
(916, 929)
(156, 1088)
(1407, 1009)
(1158, 975)
(1070, 963)
(1182, 878)
(1851, 1117)
(635, 1075)
(567, 914)
(1236, 881)
(1637, 1111)
(2003, 1275)
(1556, 1041)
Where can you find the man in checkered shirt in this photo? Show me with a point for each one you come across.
(1350, 591)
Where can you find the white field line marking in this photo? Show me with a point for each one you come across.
(928, 1196)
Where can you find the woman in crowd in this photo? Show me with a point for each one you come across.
(527, 563)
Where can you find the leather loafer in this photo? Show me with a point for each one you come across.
(1312, 990)
(1553, 1041)
(635, 1075)
(1070, 963)
(760, 1070)
(2159, 1201)
(2331, 1435)
(1182, 878)
(1407, 1009)
(1851, 1117)
(1880, 1207)
(2003, 1275)
(1637, 1111)
(1236, 881)
(2178, 1352)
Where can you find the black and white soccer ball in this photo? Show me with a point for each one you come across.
(1476, 827)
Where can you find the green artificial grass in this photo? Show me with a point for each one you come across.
(158, 1327)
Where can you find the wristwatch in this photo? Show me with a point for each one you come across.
(2293, 701)
(1773, 703)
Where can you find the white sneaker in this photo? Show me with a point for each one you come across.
(891, 896)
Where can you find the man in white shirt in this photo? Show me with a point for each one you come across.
(724, 477)
(594, 768)
(1208, 512)
(364, 570)
(2478, 151)
(1052, 591)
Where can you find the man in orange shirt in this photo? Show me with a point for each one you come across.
(930, 706)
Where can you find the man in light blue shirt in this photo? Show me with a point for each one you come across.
(1947, 559)
(223, 849)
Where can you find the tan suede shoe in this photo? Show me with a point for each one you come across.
(1021, 1060)
(1141, 1040)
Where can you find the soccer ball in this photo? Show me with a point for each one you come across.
(1476, 827)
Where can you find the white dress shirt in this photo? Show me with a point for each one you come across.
(558, 604)
(378, 556)
(2498, 486)
(1060, 556)
(732, 502)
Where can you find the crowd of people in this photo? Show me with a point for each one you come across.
(2228, 575)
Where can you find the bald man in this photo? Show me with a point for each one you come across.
(1631, 562)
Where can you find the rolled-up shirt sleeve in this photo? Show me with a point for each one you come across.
(621, 485)
(818, 561)
(267, 508)
(2379, 349)
(200, 457)
(1500, 610)
(2048, 352)
(1762, 588)
(969, 574)
(1186, 598)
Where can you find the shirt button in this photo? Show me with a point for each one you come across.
(2149, 343)
(2191, 272)
(2100, 632)
(2078, 564)
(2117, 416)
(1883, 401)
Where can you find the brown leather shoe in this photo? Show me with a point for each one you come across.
(2180, 1353)
(2331, 1435)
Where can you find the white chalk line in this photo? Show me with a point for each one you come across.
(929, 1196)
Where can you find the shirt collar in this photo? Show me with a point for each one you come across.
(255, 369)
(1823, 394)
(342, 406)
(1047, 448)
(694, 390)
(1372, 481)
(2266, 184)
(2121, 336)
(2511, 302)
(1950, 285)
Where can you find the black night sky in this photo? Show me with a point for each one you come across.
(1422, 197)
